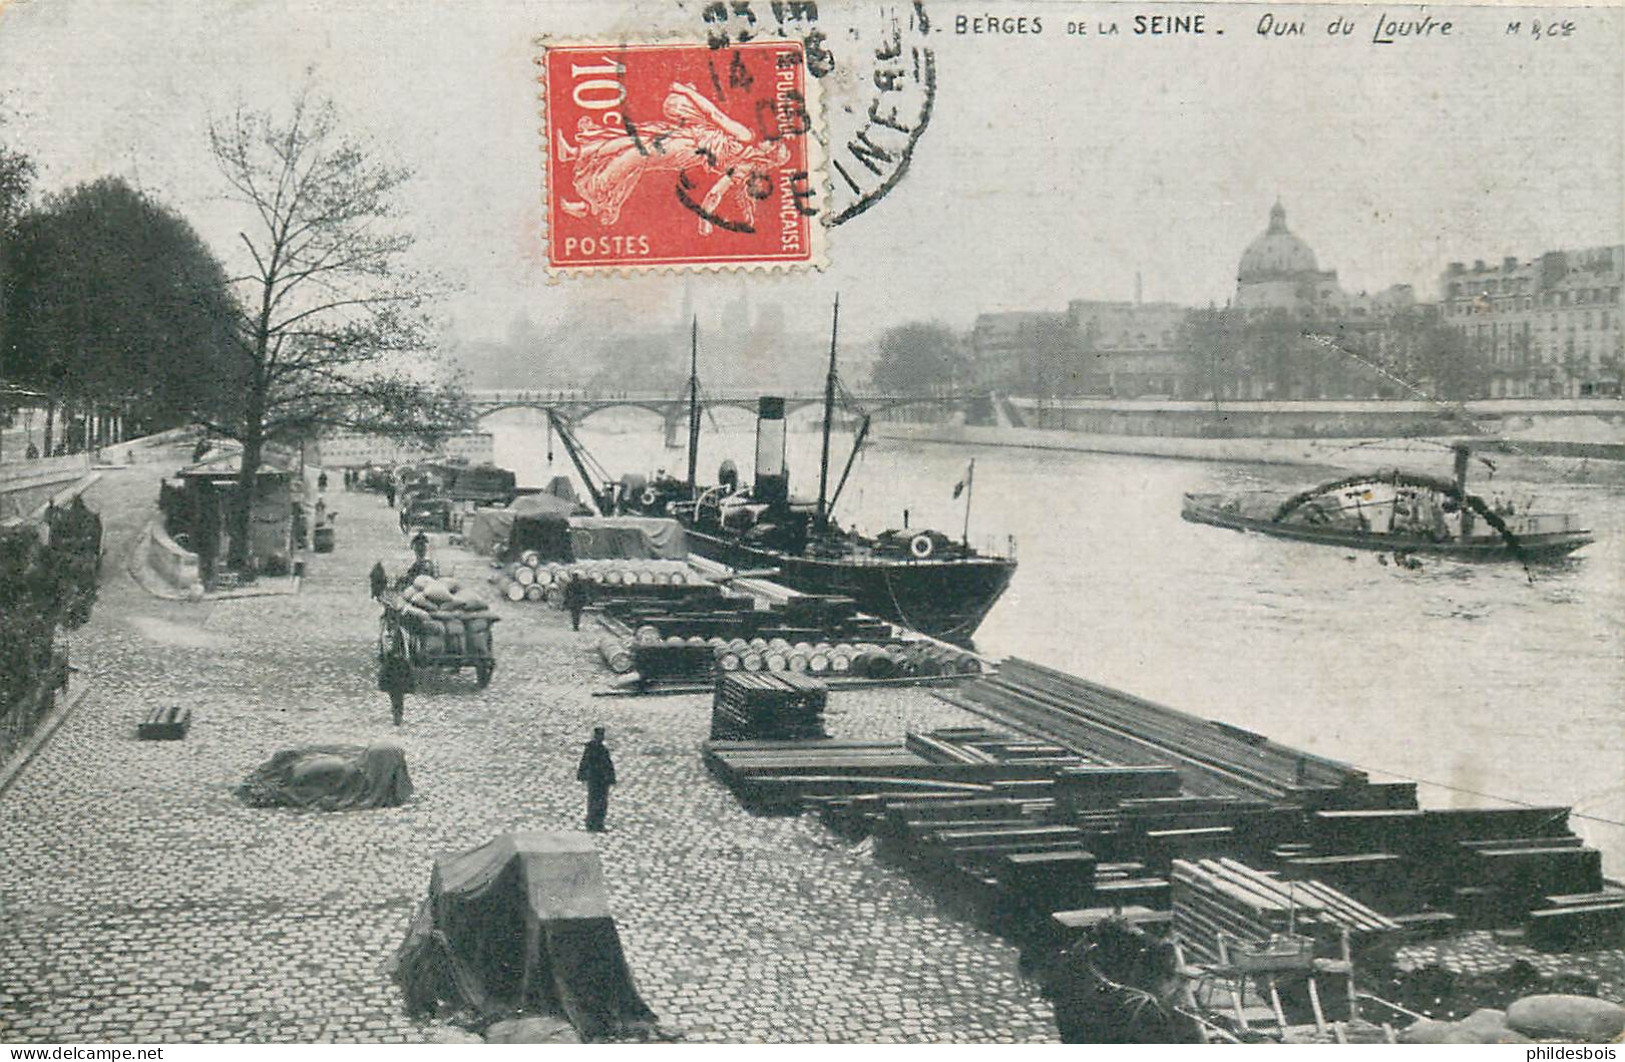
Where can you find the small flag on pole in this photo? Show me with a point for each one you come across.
(959, 488)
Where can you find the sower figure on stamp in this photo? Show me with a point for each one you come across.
(395, 677)
(598, 771)
(577, 595)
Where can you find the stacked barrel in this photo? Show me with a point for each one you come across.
(532, 579)
(818, 659)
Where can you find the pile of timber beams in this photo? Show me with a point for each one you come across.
(781, 706)
(1488, 866)
(1223, 899)
(786, 775)
(1578, 920)
(1110, 727)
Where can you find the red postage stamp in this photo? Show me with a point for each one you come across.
(681, 155)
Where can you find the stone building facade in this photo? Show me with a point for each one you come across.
(1549, 326)
(1129, 349)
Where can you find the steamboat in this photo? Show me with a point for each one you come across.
(923, 579)
(1400, 511)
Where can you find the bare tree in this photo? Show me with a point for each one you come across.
(333, 330)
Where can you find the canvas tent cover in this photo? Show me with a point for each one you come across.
(522, 924)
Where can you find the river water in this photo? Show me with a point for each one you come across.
(1481, 678)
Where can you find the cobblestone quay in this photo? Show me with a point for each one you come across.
(140, 901)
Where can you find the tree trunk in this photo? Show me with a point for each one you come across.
(242, 504)
(50, 424)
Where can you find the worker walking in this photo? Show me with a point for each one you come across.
(577, 595)
(395, 678)
(598, 771)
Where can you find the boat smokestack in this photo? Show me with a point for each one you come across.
(772, 478)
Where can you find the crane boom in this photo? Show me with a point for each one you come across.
(594, 479)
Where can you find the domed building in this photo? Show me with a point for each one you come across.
(1278, 271)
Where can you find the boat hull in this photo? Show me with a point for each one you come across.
(946, 599)
(1541, 547)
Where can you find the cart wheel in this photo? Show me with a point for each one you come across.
(482, 672)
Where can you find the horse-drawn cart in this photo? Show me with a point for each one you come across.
(448, 639)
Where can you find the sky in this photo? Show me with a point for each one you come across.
(1054, 167)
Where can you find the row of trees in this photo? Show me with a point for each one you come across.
(320, 323)
(1219, 352)
(112, 300)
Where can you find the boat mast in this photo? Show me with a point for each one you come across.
(822, 520)
(693, 402)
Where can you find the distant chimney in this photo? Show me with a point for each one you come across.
(1137, 287)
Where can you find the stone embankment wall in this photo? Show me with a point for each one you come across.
(26, 485)
(175, 565)
(1587, 421)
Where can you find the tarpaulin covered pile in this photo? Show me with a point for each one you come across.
(544, 504)
(330, 778)
(522, 924)
(491, 531)
(487, 530)
(549, 536)
(627, 538)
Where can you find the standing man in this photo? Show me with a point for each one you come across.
(389, 493)
(395, 677)
(598, 771)
(421, 564)
(576, 596)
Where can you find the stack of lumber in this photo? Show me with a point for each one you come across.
(741, 614)
(783, 707)
(1115, 728)
(1216, 899)
(675, 662)
(786, 775)
(1579, 920)
(1489, 866)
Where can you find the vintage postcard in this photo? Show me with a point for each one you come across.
(811, 521)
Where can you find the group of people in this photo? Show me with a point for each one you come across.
(397, 678)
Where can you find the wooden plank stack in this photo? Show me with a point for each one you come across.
(1579, 920)
(1489, 866)
(1224, 898)
(777, 776)
(165, 724)
(679, 662)
(781, 707)
(1116, 728)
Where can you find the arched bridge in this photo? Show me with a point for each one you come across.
(576, 406)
